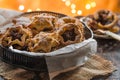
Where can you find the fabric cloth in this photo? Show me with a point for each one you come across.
(6, 14)
(94, 66)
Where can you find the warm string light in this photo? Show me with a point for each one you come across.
(67, 3)
(93, 4)
(63, 0)
(38, 9)
(21, 7)
(73, 11)
(73, 7)
(79, 12)
(29, 5)
(89, 5)
(29, 10)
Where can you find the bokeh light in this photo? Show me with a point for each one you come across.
(29, 10)
(79, 12)
(68, 7)
(73, 6)
(87, 6)
(38, 9)
(21, 7)
(93, 4)
(73, 11)
(67, 3)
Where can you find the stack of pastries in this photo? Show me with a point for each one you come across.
(45, 33)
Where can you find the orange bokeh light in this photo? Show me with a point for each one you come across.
(21, 7)
(88, 6)
(69, 7)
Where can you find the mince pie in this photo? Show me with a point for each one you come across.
(16, 37)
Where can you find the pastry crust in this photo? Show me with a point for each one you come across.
(42, 23)
(71, 33)
(16, 37)
(44, 42)
(103, 19)
(64, 20)
(106, 20)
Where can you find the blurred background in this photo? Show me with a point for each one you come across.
(69, 7)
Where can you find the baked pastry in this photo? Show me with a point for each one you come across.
(64, 20)
(71, 33)
(16, 37)
(42, 23)
(103, 19)
(106, 20)
(44, 42)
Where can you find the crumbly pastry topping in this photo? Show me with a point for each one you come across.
(65, 20)
(16, 37)
(43, 42)
(45, 33)
(42, 23)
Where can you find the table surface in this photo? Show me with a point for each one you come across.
(110, 50)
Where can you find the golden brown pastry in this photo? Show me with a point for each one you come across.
(102, 19)
(106, 20)
(64, 20)
(16, 37)
(42, 23)
(43, 42)
(71, 33)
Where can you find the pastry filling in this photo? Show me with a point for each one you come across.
(15, 35)
(69, 35)
(105, 17)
